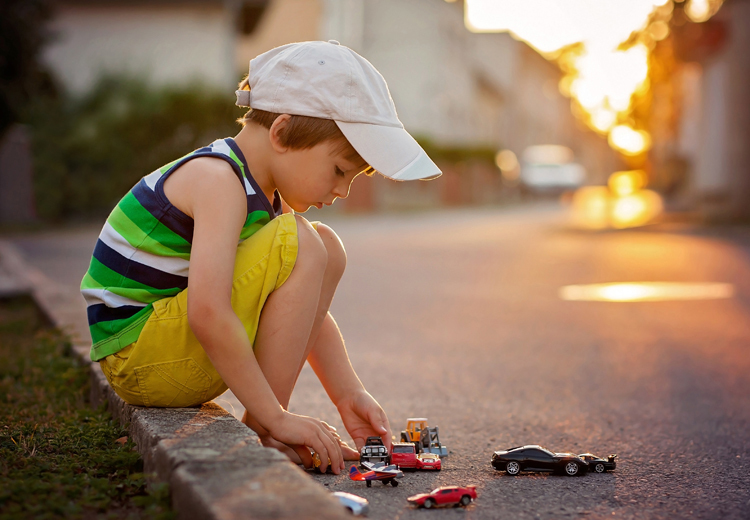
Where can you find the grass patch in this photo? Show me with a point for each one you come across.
(59, 458)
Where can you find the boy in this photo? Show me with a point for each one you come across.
(254, 312)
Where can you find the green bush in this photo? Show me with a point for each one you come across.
(90, 150)
(457, 154)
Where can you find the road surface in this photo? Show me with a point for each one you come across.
(456, 316)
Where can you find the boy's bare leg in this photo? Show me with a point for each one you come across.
(301, 302)
(331, 278)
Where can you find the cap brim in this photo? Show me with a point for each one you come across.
(390, 150)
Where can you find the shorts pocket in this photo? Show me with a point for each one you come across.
(173, 384)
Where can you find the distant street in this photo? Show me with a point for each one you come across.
(455, 316)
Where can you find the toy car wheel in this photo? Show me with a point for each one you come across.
(599, 468)
(369, 484)
(571, 468)
(465, 500)
(429, 503)
(513, 468)
(394, 483)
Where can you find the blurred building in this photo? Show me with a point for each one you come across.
(714, 118)
(453, 88)
(164, 41)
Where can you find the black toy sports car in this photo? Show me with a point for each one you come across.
(599, 464)
(536, 458)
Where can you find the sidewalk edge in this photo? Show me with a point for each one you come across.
(216, 467)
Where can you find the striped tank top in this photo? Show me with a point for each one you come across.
(143, 252)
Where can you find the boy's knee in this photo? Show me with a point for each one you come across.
(311, 251)
(334, 248)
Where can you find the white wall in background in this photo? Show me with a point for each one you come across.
(166, 44)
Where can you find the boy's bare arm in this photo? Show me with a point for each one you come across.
(331, 364)
(209, 192)
(360, 412)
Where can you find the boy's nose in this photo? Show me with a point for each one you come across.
(341, 191)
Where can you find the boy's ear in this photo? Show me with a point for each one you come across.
(276, 132)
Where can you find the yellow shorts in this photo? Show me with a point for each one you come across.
(167, 366)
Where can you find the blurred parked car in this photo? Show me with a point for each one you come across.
(550, 169)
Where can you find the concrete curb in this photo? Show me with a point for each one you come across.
(215, 466)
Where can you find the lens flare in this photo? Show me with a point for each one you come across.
(636, 209)
(604, 64)
(629, 141)
(626, 183)
(698, 10)
(506, 160)
(510, 170)
(622, 204)
(590, 207)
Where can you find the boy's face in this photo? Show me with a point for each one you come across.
(315, 176)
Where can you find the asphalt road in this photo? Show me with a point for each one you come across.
(455, 316)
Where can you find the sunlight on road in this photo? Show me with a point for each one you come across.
(646, 291)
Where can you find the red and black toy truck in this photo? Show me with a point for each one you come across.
(404, 455)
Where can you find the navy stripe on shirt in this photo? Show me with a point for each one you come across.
(180, 223)
(99, 312)
(137, 271)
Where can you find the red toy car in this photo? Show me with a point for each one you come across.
(429, 461)
(404, 455)
(447, 495)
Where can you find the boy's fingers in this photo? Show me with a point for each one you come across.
(379, 422)
(320, 448)
(333, 431)
(304, 454)
(331, 428)
(332, 451)
(337, 458)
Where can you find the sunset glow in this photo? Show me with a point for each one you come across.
(601, 46)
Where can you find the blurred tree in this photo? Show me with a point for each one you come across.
(90, 150)
(22, 36)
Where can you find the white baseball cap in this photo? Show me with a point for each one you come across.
(330, 81)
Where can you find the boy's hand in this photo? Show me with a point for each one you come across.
(363, 417)
(303, 433)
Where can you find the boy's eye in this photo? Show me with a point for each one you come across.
(339, 171)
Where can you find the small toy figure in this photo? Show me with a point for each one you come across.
(447, 495)
(425, 438)
(374, 451)
(356, 505)
(536, 458)
(387, 474)
(404, 455)
(599, 464)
